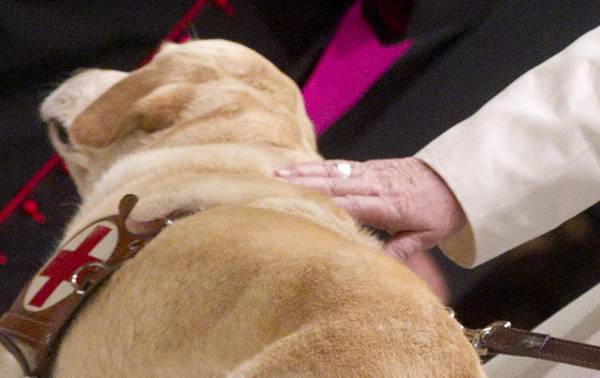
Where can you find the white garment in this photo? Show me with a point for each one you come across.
(528, 160)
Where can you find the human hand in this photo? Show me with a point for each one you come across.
(401, 196)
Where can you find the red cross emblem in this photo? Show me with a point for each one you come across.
(54, 280)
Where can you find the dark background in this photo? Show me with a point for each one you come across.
(466, 52)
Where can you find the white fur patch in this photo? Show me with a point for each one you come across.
(77, 93)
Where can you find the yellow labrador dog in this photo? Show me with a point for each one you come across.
(264, 279)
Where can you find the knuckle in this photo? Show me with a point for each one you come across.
(354, 206)
(331, 169)
(413, 244)
(332, 186)
(397, 251)
(398, 207)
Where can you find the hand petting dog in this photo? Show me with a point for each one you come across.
(401, 196)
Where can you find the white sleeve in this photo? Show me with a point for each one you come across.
(528, 160)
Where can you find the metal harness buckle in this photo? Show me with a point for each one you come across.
(82, 287)
(477, 336)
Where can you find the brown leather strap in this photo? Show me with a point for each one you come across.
(41, 328)
(518, 342)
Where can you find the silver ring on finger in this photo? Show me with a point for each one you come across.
(344, 169)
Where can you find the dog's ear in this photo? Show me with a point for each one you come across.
(104, 120)
(161, 108)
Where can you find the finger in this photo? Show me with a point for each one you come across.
(326, 168)
(336, 186)
(424, 265)
(404, 244)
(372, 210)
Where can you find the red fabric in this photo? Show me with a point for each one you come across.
(188, 17)
(177, 33)
(29, 186)
(225, 5)
(30, 207)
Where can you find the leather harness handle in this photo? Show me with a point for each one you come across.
(517, 342)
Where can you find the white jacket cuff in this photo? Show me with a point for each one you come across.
(527, 160)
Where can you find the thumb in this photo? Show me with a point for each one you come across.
(425, 266)
(404, 244)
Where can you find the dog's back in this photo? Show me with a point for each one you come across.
(250, 292)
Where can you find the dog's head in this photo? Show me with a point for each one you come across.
(201, 92)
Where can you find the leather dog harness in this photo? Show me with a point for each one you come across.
(44, 307)
(501, 338)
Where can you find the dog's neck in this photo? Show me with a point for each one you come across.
(190, 178)
(225, 158)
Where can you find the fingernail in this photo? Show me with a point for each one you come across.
(283, 172)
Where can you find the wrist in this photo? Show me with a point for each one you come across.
(443, 198)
